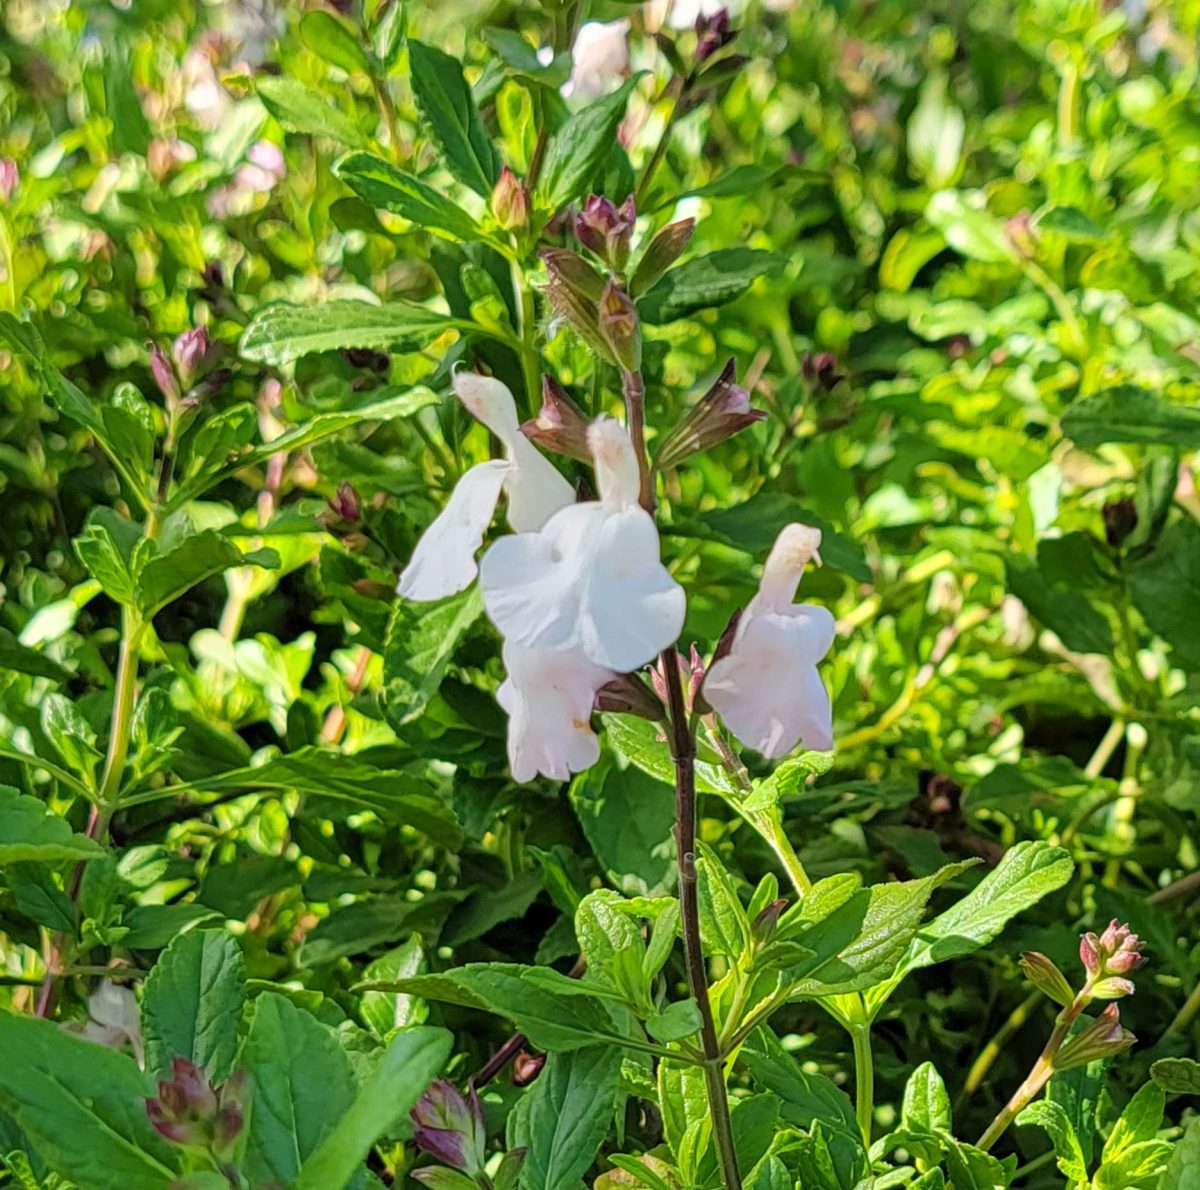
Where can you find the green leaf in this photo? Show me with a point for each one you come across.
(301, 108)
(935, 133)
(446, 102)
(351, 784)
(705, 281)
(192, 1004)
(1179, 1076)
(926, 1104)
(575, 151)
(72, 736)
(410, 1063)
(637, 740)
(385, 1011)
(30, 831)
(381, 184)
(554, 1012)
(723, 922)
(82, 1107)
(20, 658)
(1027, 872)
(604, 930)
(1070, 223)
(1138, 1123)
(805, 1097)
(627, 819)
(1066, 611)
(969, 228)
(566, 1116)
(281, 333)
(168, 576)
(303, 1085)
(104, 547)
(1166, 589)
(675, 1022)
(421, 641)
(1128, 413)
(1183, 1170)
(334, 40)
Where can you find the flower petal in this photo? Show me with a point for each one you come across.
(532, 582)
(536, 490)
(767, 691)
(548, 695)
(632, 608)
(444, 561)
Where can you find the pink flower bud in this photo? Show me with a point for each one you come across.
(573, 290)
(714, 33)
(1046, 977)
(1101, 1037)
(189, 351)
(607, 230)
(820, 369)
(1116, 952)
(560, 424)
(164, 374)
(346, 504)
(510, 201)
(627, 694)
(450, 1127)
(763, 926)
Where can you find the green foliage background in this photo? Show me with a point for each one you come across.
(985, 212)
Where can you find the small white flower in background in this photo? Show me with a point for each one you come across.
(591, 579)
(444, 561)
(767, 689)
(600, 58)
(114, 1019)
(548, 697)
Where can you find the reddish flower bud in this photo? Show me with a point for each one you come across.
(621, 328)
(450, 1127)
(164, 374)
(190, 1112)
(189, 351)
(346, 504)
(1120, 519)
(1101, 1037)
(820, 369)
(510, 201)
(722, 412)
(526, 1067)
(607, 230)
(1116, 952)
(627, 694)
(714, 33)
(664, 250)
(764, 925)
(560, 424)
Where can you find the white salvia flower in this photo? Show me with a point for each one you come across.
(767, 690)
(114, 1018)
(548, 697)
(591, 579)
(444, 561)
(599, 58)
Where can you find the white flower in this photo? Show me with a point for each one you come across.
(114, 1018)
(599, 58)
(591, 578)
(548, 696)
(444, 561)
(767, 690)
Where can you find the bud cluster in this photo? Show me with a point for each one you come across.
(449, 1126)
(189, 1112)
(1109, 958)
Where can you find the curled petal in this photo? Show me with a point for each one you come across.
(794, 548)
(444, 561)
(548, 697)
(536, 491)
(489, 401)
(768, 690)
(632, 608)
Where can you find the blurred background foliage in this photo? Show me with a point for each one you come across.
(977, 340)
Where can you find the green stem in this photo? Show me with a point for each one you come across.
(132, 631)
(530, 360)
(657, 155)
(634, 388)
(1186, 1014)
(864, 1078)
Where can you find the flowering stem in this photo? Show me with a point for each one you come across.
(1039, 1076)
(683, 752)
(995, 1046)
(634, 388)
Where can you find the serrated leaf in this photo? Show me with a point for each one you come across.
(301, 108)
(705, 281)
(192, 1004)
(410, 1063)
(1179, 1076)
(332, 39)
(926, 1104)
(574, 152)
(1128, 413)
(449, 109)
(1183, 1169)
(281, 333)
(1138, 1123)
(381, 184)
(31, 832)
(167, 576)
(385, 1011)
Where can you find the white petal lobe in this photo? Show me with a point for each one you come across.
(444, 561)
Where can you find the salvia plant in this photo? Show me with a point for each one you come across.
(416, 765)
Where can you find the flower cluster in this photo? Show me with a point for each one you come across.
(189, 1112)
